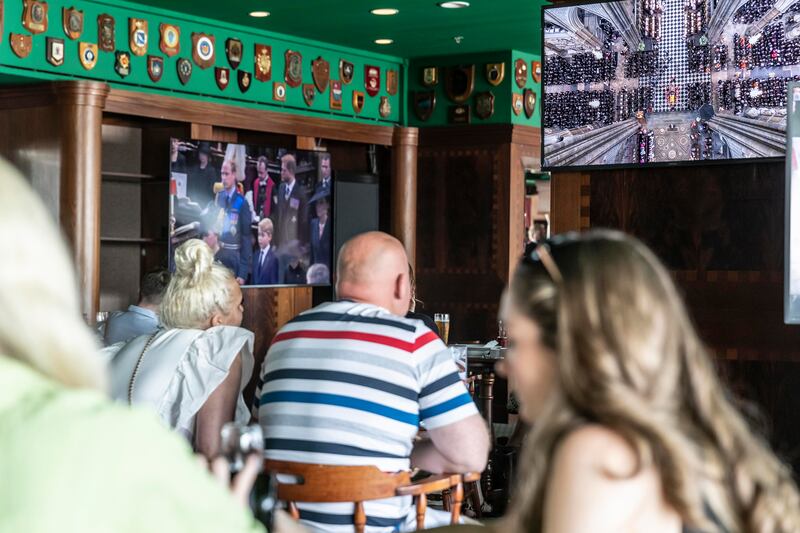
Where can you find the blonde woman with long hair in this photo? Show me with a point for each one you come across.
(191, 373)
(72, 461)
(632, 429)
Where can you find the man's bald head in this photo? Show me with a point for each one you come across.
(373, 268)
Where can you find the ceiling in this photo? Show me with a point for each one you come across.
(421, 28)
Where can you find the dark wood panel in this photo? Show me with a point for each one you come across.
(458, 232)
(265, 312)
(770, 394)
(565, 202)
(470, 220)
(469, 135)
(720, 229)
(698, 218)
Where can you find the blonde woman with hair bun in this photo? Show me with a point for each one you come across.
(191, 373)
(72, 460)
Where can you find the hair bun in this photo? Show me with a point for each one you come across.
(193, 260)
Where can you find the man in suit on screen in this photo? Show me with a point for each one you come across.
(292, 207)
(321, 230)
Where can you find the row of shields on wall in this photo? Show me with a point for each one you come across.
(35, 20)
(459, 85)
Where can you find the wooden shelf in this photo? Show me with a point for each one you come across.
(131, 177)
(131, 240)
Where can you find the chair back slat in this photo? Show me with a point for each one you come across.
(332, 484)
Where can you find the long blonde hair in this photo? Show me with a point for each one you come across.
(41, 324)
(198, 288)
(630, 359)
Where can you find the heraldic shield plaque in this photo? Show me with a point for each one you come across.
(460, 82)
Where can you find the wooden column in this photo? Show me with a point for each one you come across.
(80, 105)
(565, 202)
(404, 189)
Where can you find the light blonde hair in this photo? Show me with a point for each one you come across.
(629, 359)
(199, 288)
(41, 322)
(265, 225)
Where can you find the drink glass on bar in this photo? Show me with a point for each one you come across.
(443, 323)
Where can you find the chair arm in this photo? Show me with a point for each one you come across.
(471, 476)
(430, 484)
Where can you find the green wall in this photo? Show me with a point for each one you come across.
(202, 84)
(536, 119)
(503, 113)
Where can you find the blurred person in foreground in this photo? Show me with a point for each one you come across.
(349, 383)
(72, 461)
(632, 429)
(142, 318)
(192, 372)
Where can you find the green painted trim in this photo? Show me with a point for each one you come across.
(202, 85)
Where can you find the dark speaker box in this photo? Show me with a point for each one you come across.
(355, 210)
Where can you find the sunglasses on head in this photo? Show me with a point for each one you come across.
(542, 254)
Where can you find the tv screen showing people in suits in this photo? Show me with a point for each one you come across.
(265, 211)
(639, 82)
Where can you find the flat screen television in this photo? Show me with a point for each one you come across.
(265, 211)
(791, 276)
(648, 82)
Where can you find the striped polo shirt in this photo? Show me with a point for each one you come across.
(349, 383)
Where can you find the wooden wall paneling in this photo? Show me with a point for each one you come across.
(404, 189)
(347, 156)
(470, 226)
(529, 151)
(507, 220)
(242, 118)
(81, 109)
(209, 132)
(565, 202)
(261, 308)
(767, 392)
(719, 229)
(29, 140)
(460, 199)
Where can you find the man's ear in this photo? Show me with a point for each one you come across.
(398, 286)
(216, 320)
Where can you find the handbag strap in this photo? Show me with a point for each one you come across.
(136, 368)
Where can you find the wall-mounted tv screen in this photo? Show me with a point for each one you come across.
(791, 277)
(636, 82)
(265, 211)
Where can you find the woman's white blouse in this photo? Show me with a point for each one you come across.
(180, 370)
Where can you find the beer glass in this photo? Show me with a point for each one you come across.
(443, 323)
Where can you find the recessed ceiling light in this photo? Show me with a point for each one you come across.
(384, 41)
(259, 14)
(453, 5)
(385, 11)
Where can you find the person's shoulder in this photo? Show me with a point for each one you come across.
(226, 334)
(599, 448)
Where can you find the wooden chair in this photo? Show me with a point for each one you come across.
(357, 484)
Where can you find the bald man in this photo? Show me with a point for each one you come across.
(350, 382)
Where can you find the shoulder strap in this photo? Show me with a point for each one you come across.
(136, 368)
